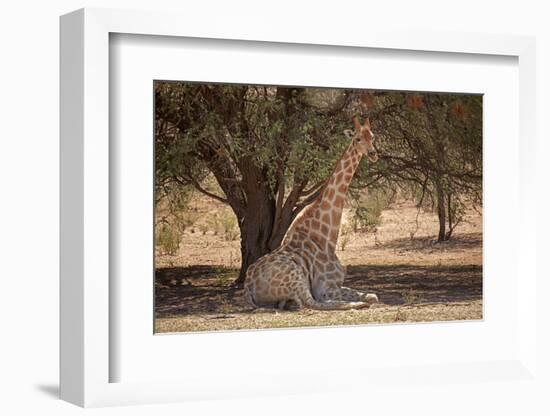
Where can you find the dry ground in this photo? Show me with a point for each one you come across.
(415, 278)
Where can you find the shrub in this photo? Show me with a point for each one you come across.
(367, 215)
(173, 215)
(229, 226)
(345, 235)
(168, 239)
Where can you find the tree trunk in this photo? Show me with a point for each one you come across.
(261, 232)
(257, 222)
(255, 232)
(441, 211)
(450, 216)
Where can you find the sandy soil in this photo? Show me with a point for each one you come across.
(416, 279)
(380, 314)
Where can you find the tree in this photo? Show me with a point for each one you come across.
(433, 144)
(270, 150)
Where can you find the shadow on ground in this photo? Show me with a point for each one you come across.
(459, 242)
(400, 284)
(207, 289)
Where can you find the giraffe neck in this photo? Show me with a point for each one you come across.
(321, 222)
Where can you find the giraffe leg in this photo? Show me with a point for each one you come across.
(353, 295)
(328, 305)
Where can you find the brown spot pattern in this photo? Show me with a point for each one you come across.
(312, 244)
(325, 206)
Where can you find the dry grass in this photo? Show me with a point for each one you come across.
(415, 279)
(379, 314)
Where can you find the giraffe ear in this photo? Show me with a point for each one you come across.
(349, 134)
(367, 123)
(356, 124)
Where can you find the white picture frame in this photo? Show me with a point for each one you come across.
(86, 356)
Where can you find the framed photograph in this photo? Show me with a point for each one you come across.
(283, 213)
(262, 188)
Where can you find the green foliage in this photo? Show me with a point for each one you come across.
(167, 239)
(172, 200)
(431, 146)
(345, 236)
(229, 227)
(222, 223)
(173, 216)
(367, 213)
(282, 143)
(288, 133)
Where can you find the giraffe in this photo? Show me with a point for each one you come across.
(304, 270)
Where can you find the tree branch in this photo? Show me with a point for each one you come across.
(199, 188)
(314, 188)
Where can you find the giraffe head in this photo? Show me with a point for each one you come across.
(363, 139)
